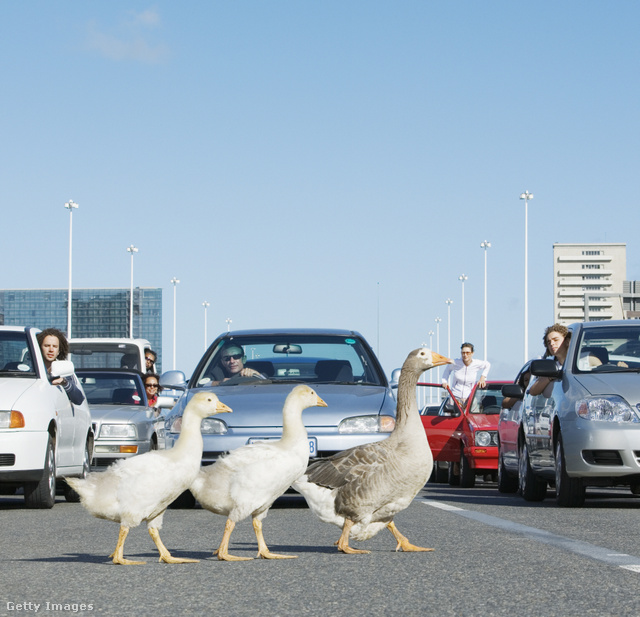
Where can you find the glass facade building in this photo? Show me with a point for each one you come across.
(94, 312)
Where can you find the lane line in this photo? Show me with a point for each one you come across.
(622, 560)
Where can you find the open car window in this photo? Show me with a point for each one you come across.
(296, 358)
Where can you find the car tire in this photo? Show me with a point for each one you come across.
(440, 473)
(467, 473)
(506, 482)
(530, 486)
(185, 501)
(42, 494)
(453, 478)
(570, 492)
(69, 494)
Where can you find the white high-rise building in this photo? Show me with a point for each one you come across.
(588, 281)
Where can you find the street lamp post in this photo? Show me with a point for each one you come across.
(448, 302)
(485, 245)
(174, 281)
(438, 320)
(70, 205)
(462, 278)
(131, 249)
(228, 320)
(526, 196)
(431, 333)
(206, 306)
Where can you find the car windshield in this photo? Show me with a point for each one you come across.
(296, 358)
(110, 389)
(487, 400)
(609, 349)
(15, 355)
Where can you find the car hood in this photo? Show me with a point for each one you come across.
(626, 385)
(261, 405)
(485, 422)
(12, 388)
(119, 413)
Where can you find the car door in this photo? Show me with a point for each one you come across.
(443, 431)
(65, 414)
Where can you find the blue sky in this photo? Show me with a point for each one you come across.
(320, 164)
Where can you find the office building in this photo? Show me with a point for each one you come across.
(94, 312)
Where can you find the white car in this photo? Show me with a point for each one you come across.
(43, 436)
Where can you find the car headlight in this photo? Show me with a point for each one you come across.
(367, 424)
(213, 426)
(483, 438)
(11, 419)
(118, 431)
(609, 408)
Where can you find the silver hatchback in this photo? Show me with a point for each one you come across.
(584, 430)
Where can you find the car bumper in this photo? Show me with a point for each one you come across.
(601, 450)
(107, 452)
(482, 457)
(328, 441)
(22, 455)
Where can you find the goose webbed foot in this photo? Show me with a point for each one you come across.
(343, 542)
(403, 543)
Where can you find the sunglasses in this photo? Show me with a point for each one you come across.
(151, 385)
(237, 356)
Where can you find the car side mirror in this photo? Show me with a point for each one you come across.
(62, 368)
(546, 368)
(513, 390)
(174, 380)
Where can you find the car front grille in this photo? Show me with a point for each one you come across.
(602, 457)
(7, 460)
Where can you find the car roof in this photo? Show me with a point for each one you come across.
(284, 331)
(605, 323)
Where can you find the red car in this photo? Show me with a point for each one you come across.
(464, 442)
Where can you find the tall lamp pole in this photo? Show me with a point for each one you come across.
(462, 278)
(438, 320)
(174, 281)
(448, 302)
(70, 205)
(228, 320)
(131, 249)
(526, 196)
(206, 306)
(485, 245)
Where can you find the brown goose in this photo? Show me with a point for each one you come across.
(363, 488)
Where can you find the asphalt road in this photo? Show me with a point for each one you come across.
(494, 555)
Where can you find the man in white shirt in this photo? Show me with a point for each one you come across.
(465, 374)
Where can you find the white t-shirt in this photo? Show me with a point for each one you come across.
(464, 377)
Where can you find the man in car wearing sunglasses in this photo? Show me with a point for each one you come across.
(232, 361)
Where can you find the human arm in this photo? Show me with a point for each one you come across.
(70, 386)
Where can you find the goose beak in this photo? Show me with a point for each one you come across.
(321, 403)
(222, 408)
(439, 360)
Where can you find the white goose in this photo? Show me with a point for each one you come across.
(363, 488)
(249, 479)
(142, 487)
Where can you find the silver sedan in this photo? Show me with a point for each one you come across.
(584, 430)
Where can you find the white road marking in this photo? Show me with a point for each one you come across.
(622, 560)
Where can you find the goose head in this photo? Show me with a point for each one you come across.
(305, 397)
(205, 404)
(423, 359)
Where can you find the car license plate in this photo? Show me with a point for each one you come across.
(313, 443)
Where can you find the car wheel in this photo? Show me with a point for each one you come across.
(186, 501)
(530, 486)
(69, 494)
(441, 472)
(506, 482)
(452, 477)
(42, 494)
(570, 492)
(153, 445)
(467, 473)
